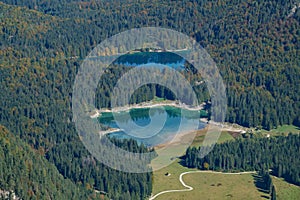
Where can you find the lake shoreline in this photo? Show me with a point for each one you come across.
(152, 105)
(144, 105)
(110, 130)
(179, 136)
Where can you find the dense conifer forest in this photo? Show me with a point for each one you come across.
(255, 44)
(28, 174)
(42, 44)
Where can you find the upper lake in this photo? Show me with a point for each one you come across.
(151, 58)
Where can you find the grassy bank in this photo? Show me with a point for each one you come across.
(285, 190)
(284, 129)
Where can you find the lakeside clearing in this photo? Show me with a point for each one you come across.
(196, 137)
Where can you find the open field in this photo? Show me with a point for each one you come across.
(161, 182)
(217, 186)
(180, 143)
(206, 185)
(285, 190)
(198, 140)
(286, 129)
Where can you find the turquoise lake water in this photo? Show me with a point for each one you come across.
(152, 126)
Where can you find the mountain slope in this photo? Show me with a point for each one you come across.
(255, 45)
(30, 175)
(36, 86)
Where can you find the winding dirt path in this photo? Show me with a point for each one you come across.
(190, 188)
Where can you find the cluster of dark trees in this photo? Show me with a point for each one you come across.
(148, 91)
(43, 43)
(79, 166)
(279, 154)
(263, 182)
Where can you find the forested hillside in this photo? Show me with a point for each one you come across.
(36, 87)
(254, 43)
(28, 174)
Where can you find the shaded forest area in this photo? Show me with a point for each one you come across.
(28, 174)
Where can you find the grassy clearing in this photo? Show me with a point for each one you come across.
(160, 100)
(198, 140)
(285, 190)
(161, 182)
(285, 129)
(224, 137)
(205, 185)
(233, 186)
(179, 146)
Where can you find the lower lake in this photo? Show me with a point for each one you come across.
(152, 126)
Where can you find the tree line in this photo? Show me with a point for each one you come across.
(278, 154)
(264, 183)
